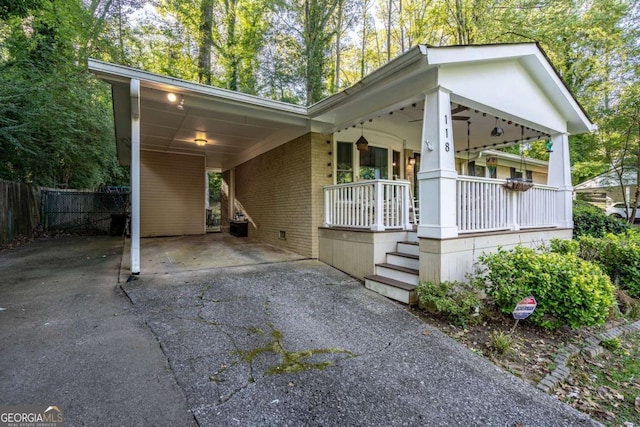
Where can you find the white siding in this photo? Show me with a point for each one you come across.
(171, 194)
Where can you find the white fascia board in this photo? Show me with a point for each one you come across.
(113, 73)
(395, 69)
(547, 77)
(447, 55)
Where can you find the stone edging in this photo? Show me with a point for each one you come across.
(592, 348)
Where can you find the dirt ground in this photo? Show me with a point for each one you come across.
(530, 356)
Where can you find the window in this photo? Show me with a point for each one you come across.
(518, 174)
(345, 162)
(396, 164)
(374, 163)
(471, 166)
(480, 171)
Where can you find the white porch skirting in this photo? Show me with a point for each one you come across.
(356, 252)
(453, 259)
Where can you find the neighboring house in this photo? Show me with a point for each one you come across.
(607, 187)
(502, 165)
(298, 176)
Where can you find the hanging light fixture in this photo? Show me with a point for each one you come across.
(362, 144)
(497, 130)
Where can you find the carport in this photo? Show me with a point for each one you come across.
(171, 131)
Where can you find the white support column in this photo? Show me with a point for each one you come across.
(437, 176)
(560, 176)
(135, 176)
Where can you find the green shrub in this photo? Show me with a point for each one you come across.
(619, 257)
(458, 302)
(563, 246)
(589, 220)
(568, 289)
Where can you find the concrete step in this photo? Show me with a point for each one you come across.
(404, 260)
(411, 248)
(390, 288)
(402, 274)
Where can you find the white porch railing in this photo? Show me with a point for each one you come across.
(375, 205)
(484, 204)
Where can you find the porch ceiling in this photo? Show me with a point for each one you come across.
(405, 122)
(235, 126)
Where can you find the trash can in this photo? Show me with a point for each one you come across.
(118, 224)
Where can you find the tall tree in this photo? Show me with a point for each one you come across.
(205, 35)
(55, 116)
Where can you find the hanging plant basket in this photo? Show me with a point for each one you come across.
(518, 184)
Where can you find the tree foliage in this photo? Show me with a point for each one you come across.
(295, 51)
(56, 126)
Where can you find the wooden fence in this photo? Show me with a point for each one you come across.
(19, 210)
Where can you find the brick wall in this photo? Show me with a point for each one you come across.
(281, 191)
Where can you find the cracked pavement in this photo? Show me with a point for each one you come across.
(299, 343)
(230, 332)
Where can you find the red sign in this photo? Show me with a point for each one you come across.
(524, 308)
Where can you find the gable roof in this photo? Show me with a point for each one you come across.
(414, 72)
(608, 180)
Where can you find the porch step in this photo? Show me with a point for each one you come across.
(396, 272)
(404, 260)
(412, 236)
(391, 288)
(411, 248)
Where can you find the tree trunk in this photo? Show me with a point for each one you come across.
(336, 76)
(232, 48)
(206, 42)
(389, 31)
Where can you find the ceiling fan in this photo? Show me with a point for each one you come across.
(458, 109)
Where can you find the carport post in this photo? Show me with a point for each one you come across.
(135, 176)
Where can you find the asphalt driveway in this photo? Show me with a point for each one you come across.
(69, 337)
(297, 343)
(280, 341)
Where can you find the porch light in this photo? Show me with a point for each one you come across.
(362, 144)
(412, 161)
(200, 141)
(497, 130)
(172, 97)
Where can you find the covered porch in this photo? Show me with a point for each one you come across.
(448, 106)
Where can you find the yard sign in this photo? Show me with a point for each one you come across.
(524, 308)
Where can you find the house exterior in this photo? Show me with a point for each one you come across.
(298, 177)
(609, 187)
